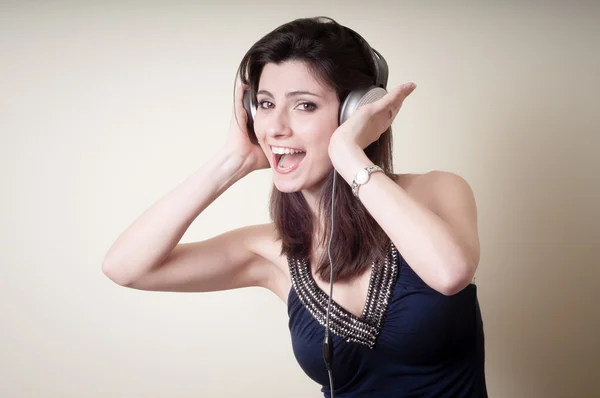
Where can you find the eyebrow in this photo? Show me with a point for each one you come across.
(289, 94)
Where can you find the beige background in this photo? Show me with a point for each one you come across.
(107, 106)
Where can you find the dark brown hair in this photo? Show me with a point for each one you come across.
(338, 58)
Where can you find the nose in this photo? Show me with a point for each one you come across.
(277, 124)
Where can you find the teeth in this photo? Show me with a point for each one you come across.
(284, 151)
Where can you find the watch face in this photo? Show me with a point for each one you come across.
(362, 176)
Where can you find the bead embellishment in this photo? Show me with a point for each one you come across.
(364, 329)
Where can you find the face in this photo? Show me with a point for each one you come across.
(295, 119)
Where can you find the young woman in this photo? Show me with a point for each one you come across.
(401, 249)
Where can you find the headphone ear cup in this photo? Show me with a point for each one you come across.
(250, 108)
(249, 105)
(358, 98)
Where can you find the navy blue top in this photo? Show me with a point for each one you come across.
(410, 341)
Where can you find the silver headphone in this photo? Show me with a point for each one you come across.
(354, 100)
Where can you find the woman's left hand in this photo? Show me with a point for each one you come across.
(369, 121)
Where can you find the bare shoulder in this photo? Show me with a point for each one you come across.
(436, 186)
(451, 198)
(263, 240)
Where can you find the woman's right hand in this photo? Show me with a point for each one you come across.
(238, 139)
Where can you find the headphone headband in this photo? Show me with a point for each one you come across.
(381, 66)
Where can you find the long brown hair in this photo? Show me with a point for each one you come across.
(338, 57)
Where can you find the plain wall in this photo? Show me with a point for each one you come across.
(106, 106)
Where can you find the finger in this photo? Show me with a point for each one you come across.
(402, 92)
(393, 100)
(397, 97)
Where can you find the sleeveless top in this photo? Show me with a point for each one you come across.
(410, 341)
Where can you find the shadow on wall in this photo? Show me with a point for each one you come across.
(540, 260)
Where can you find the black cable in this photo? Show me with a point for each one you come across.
(327, 343)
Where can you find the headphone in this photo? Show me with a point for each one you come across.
(354, 100)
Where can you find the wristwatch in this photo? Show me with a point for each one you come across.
(362, 177)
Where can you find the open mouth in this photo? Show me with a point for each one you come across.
(287, 159)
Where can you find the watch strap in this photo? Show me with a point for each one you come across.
(369, 170)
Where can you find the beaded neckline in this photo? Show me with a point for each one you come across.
(363, 329)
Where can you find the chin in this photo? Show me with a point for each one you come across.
(287, 186)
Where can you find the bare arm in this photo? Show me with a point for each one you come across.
(148, 255)
(436, 232)
(227, 261)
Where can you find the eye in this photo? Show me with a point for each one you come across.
(261, 104)
(307, 106)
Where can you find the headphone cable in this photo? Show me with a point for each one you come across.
(327, 343)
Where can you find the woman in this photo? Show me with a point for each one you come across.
(404, 248)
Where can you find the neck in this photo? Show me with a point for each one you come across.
(312, 196)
